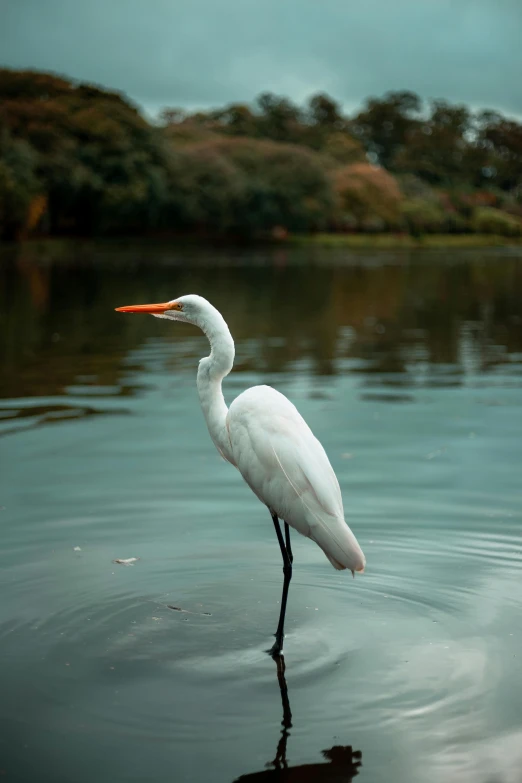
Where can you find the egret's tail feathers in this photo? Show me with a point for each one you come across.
(336, 564)
(339, 544)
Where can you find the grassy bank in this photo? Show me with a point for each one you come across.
(404, 240)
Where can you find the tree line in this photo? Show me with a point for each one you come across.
(78, 159)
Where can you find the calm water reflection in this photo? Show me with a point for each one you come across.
(409, 369)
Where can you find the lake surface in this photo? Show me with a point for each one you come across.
(408, 367)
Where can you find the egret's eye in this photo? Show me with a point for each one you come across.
(176, 306)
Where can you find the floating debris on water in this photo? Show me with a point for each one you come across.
(128, 562)
(77, 549)
(435, 453)
(187, 611)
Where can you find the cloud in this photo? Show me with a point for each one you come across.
(209, 52)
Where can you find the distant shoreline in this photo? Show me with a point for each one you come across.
(355, 241)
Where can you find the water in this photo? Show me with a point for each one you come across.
(408, 367)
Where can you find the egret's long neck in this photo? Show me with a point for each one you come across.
(211, 372)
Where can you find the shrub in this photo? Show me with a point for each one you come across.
(487, 220)
(422, 217)
(246, 185)
(343, 148)
(368, 193)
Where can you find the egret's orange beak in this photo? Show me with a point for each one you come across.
(147, 308)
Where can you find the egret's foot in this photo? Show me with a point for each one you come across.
(277, 648)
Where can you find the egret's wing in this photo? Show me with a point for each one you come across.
(305, 465)
(287, 468)
(278, 454)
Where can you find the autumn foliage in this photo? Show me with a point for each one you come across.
(368, 195)
(78, 159)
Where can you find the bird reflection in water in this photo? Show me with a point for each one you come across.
(341, 761)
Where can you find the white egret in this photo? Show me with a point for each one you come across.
(267, 440)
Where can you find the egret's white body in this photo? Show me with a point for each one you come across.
(263, 435)
(287, 468)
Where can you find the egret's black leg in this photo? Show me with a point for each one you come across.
(287, 543)
(287, 571)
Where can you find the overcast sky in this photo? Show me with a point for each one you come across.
(200, 53)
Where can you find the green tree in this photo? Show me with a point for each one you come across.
(280, 119)
(101, 165)
(237, 120)
(18, 184)
(325, 113)
(384, 124)
(437, 149)
(500, 139)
